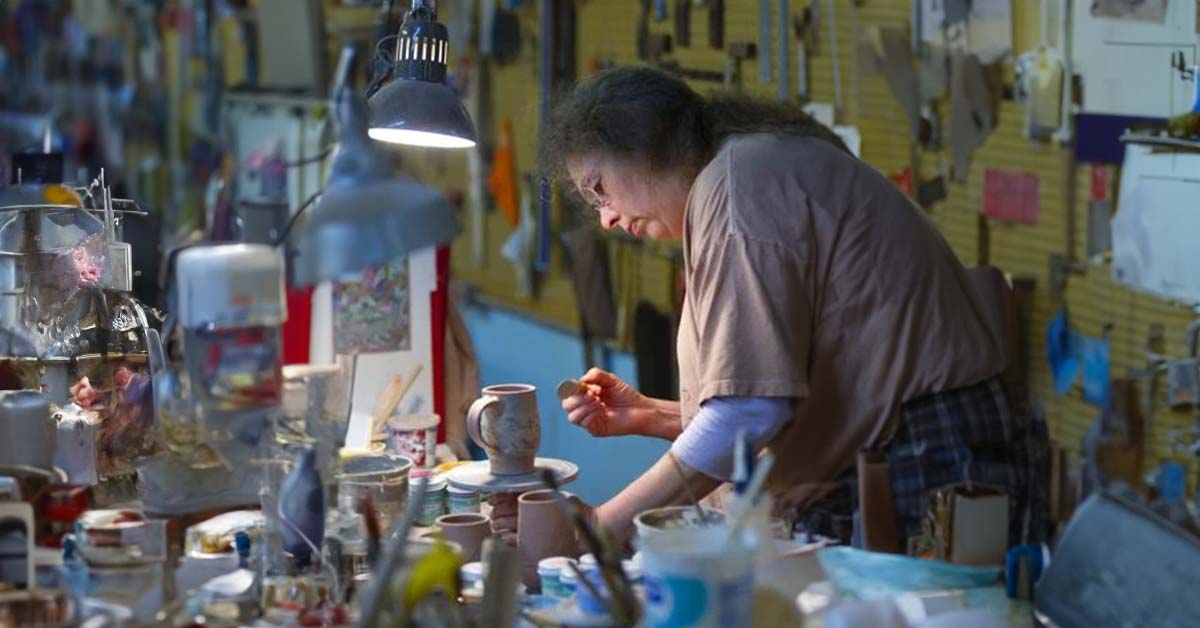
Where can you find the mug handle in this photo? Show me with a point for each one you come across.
(475, 416)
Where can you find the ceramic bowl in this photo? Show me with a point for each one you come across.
(657, 520)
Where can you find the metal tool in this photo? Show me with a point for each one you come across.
(683, 23)
(739, 51)
(837, 66)
(785, 55)
(568, 388)
(1183, 375)
(800, 26)
(716, 24)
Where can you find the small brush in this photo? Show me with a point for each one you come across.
(745, 503)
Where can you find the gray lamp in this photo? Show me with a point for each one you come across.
(416, 107)
(366, 215)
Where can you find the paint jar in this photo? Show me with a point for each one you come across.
(414, 436)
(463, 500)
(569, 581)
(698, 578)
(434, 504)
(472, 575)
(550, 571)
(633, 570)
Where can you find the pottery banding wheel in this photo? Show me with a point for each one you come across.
(478, 476)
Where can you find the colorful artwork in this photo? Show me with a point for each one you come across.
(371, 314)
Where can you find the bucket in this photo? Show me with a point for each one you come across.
(382, 476)
(697, 578)
(670, 518)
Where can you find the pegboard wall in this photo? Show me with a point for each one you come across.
(1097, 306)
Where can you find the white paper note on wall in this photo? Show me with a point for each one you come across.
(1126, 63)
(1156, 231)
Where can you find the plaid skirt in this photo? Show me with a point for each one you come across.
(969, 433)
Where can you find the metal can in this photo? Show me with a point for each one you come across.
(463, 500)
(434, 504)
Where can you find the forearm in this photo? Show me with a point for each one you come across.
(661, 485)
(662, 419)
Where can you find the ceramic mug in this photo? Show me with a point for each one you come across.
(505, 423)
(468, 530)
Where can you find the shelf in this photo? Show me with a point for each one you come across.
(1161, 140)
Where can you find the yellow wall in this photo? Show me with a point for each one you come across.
(607, 31)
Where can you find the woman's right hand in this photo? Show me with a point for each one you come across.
(607, 406)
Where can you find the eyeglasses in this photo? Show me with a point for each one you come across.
(592, 192)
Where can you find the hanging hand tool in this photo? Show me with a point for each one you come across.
(643, 30)
(657, 46)
(716, 24)
(785, 54)
(814, 22)
(683, 23)
(764, 40)
(837, 67)
(800, 28)
(739, 51)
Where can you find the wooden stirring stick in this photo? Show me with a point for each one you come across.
(391, 396)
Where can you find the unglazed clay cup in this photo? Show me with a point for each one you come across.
(543, 530)
(505, 423)
(468, 530)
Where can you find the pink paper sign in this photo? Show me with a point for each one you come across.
(1011, 196)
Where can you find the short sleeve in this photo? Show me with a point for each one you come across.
(752, 317)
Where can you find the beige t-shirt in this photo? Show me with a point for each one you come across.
(810, 276)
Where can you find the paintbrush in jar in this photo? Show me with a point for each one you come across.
(622, 605)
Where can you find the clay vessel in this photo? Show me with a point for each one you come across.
(468, 530)
(505, 423)
(543, 531)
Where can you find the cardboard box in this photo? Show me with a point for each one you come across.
(973, 530)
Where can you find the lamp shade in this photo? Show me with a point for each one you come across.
(349, 230)
(417, 108)
(420, 113)
(367, 215)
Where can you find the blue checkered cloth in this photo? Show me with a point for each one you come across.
(970, 433)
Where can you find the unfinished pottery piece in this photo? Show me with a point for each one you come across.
(543, 531)
(505, 423)
(655, 521)
(468, 530)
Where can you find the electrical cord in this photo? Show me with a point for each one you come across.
(287, 229)
(308, 160)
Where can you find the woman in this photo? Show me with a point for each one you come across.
(824, 314)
